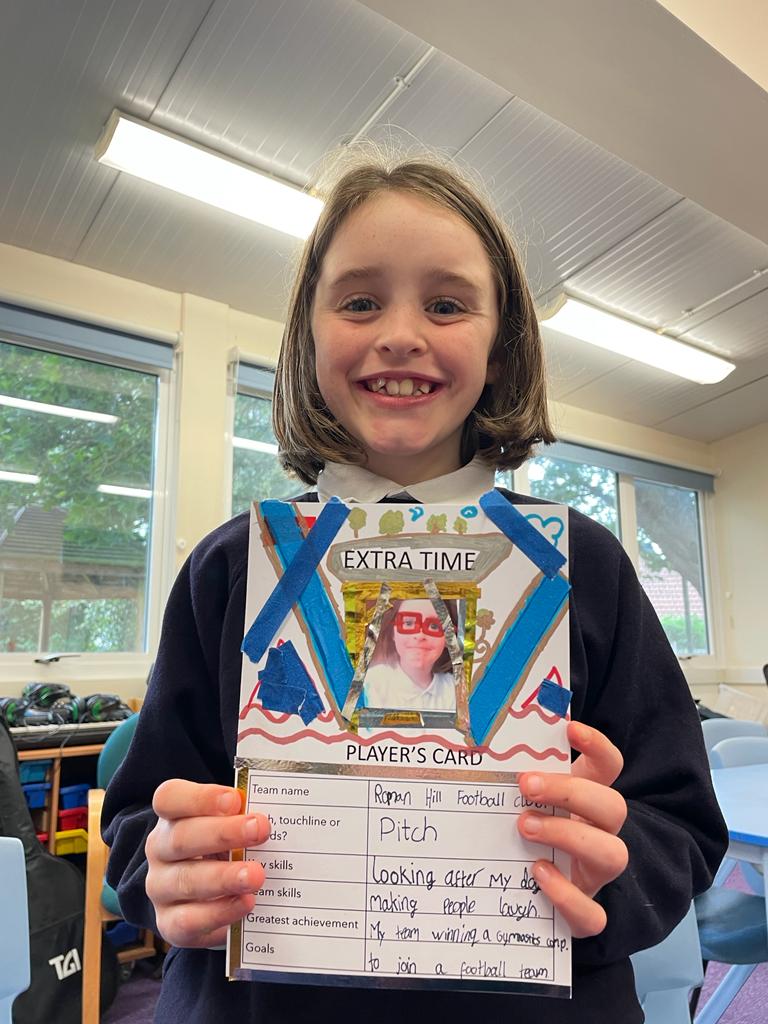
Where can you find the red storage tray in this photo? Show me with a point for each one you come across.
(73, 817)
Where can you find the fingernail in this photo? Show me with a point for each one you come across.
(532, 785)
(254, 829)
(229, 802)
(532, 825)
(242, 879)
(541, 872)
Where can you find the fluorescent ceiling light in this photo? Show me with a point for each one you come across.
(595, 326)
(126, 492)
(57, 410)
(163, 158)
(19, 478)
(254, 446)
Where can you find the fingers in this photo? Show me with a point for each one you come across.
(188, 838)
(599, 759)
(600, 857)
(202, 880)
(177, 798)
(584, 916)
(202, 924)
(597, 803)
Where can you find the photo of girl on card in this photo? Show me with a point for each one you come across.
(410, 666)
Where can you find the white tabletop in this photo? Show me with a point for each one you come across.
(743, 797)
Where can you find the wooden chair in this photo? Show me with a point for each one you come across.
(101, 904)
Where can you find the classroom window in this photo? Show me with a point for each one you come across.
(671, 566)
(256, 473)
(590, 489)
(77, 478)
(654, 509)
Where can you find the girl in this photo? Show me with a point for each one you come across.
(411, 368)
(411, 666)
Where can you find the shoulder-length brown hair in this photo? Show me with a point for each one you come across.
(385, 652)
(510, 416)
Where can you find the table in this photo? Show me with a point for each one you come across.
(743, 797)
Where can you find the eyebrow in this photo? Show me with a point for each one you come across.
(436, 274)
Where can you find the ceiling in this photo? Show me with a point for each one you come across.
(633, 214)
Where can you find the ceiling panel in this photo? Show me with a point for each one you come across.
(279, 82)
(419, 113)
(69, 64)
(149, 234)
(567, 200)
(571, 364)
(741, 331)
(728, 414)
(684, 258)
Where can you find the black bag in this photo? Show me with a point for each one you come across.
(56, 898)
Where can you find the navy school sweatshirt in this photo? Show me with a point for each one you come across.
(626, 681)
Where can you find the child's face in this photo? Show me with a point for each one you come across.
(418, 651)
(405, 297)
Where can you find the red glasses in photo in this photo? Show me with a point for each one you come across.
(415, 622)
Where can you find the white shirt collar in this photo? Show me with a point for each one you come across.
(353, 483)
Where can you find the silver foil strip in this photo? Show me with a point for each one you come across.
(371, 639)
(456, 652)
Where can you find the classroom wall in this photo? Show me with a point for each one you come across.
(742, 541)
(210, 332)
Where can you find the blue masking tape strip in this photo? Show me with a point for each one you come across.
(553, 697)
(316, 608)
(513, 653)
(519, 530)
(300, 557)
(286, 686)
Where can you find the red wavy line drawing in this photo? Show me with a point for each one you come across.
(282, 741)
(534, 709)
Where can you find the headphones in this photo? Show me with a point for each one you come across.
(54, 704)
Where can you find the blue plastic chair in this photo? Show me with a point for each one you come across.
(717, 729)
(665, 974)
(739, 750)
(732, 930)
(729, 743)
(14, 934)
(732, 925)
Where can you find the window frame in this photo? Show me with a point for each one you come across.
(104, 669)
(701, 666)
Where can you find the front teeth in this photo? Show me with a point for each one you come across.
(405, 387)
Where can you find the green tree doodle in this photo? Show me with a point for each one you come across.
(460, 525)
(391, 523)
(357, 520)
(437, 524)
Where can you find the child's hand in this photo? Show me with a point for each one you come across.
(196, 892)
(589, 835)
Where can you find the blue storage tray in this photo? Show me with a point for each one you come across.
(33, 771)
(36, 794)
(73, 796)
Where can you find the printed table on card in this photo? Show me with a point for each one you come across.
(402, 665)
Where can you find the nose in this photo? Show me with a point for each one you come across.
(401, 333)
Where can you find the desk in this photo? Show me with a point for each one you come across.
(743, 797)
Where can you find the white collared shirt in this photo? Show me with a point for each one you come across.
(353, 483)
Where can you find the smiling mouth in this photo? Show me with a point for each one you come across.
(406, 388)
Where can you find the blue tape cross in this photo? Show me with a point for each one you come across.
(513, 523)
(300, 557)
(513, 653)
(307, 591)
